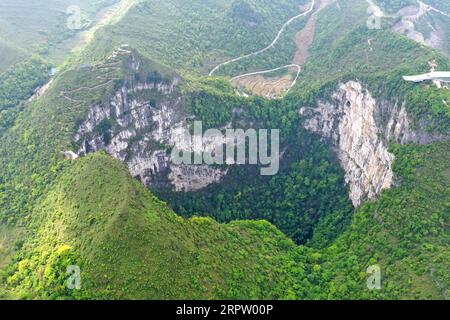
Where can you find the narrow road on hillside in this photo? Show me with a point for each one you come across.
(104, 17)
(274, 42)
(299, 69)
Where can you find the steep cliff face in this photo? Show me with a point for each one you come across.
(139, 125)
(348, 121)
(360, 129)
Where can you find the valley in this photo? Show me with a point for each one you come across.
(88, 177)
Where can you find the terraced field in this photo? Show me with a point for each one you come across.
(263, 86)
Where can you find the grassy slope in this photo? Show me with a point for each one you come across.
(30, 45)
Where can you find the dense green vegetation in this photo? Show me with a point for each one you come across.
(35, 37)
(95, 213)
(307, 199)
(90, 212)
(280, 55)
(19, 83)
(129, 244)
(193, 38)
(405, 232)
(431, 104)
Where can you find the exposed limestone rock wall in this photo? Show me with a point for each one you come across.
(395, 125)
(360, 129)
(348, 121)
(194, 178)
(139, 134)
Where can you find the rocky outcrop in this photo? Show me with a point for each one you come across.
(360, 129)
(194, 177)
(140, 133)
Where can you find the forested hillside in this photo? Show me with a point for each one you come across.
(130, 245)
(190, 37)
(294, 235)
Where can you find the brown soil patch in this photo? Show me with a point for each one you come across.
(305, 37)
